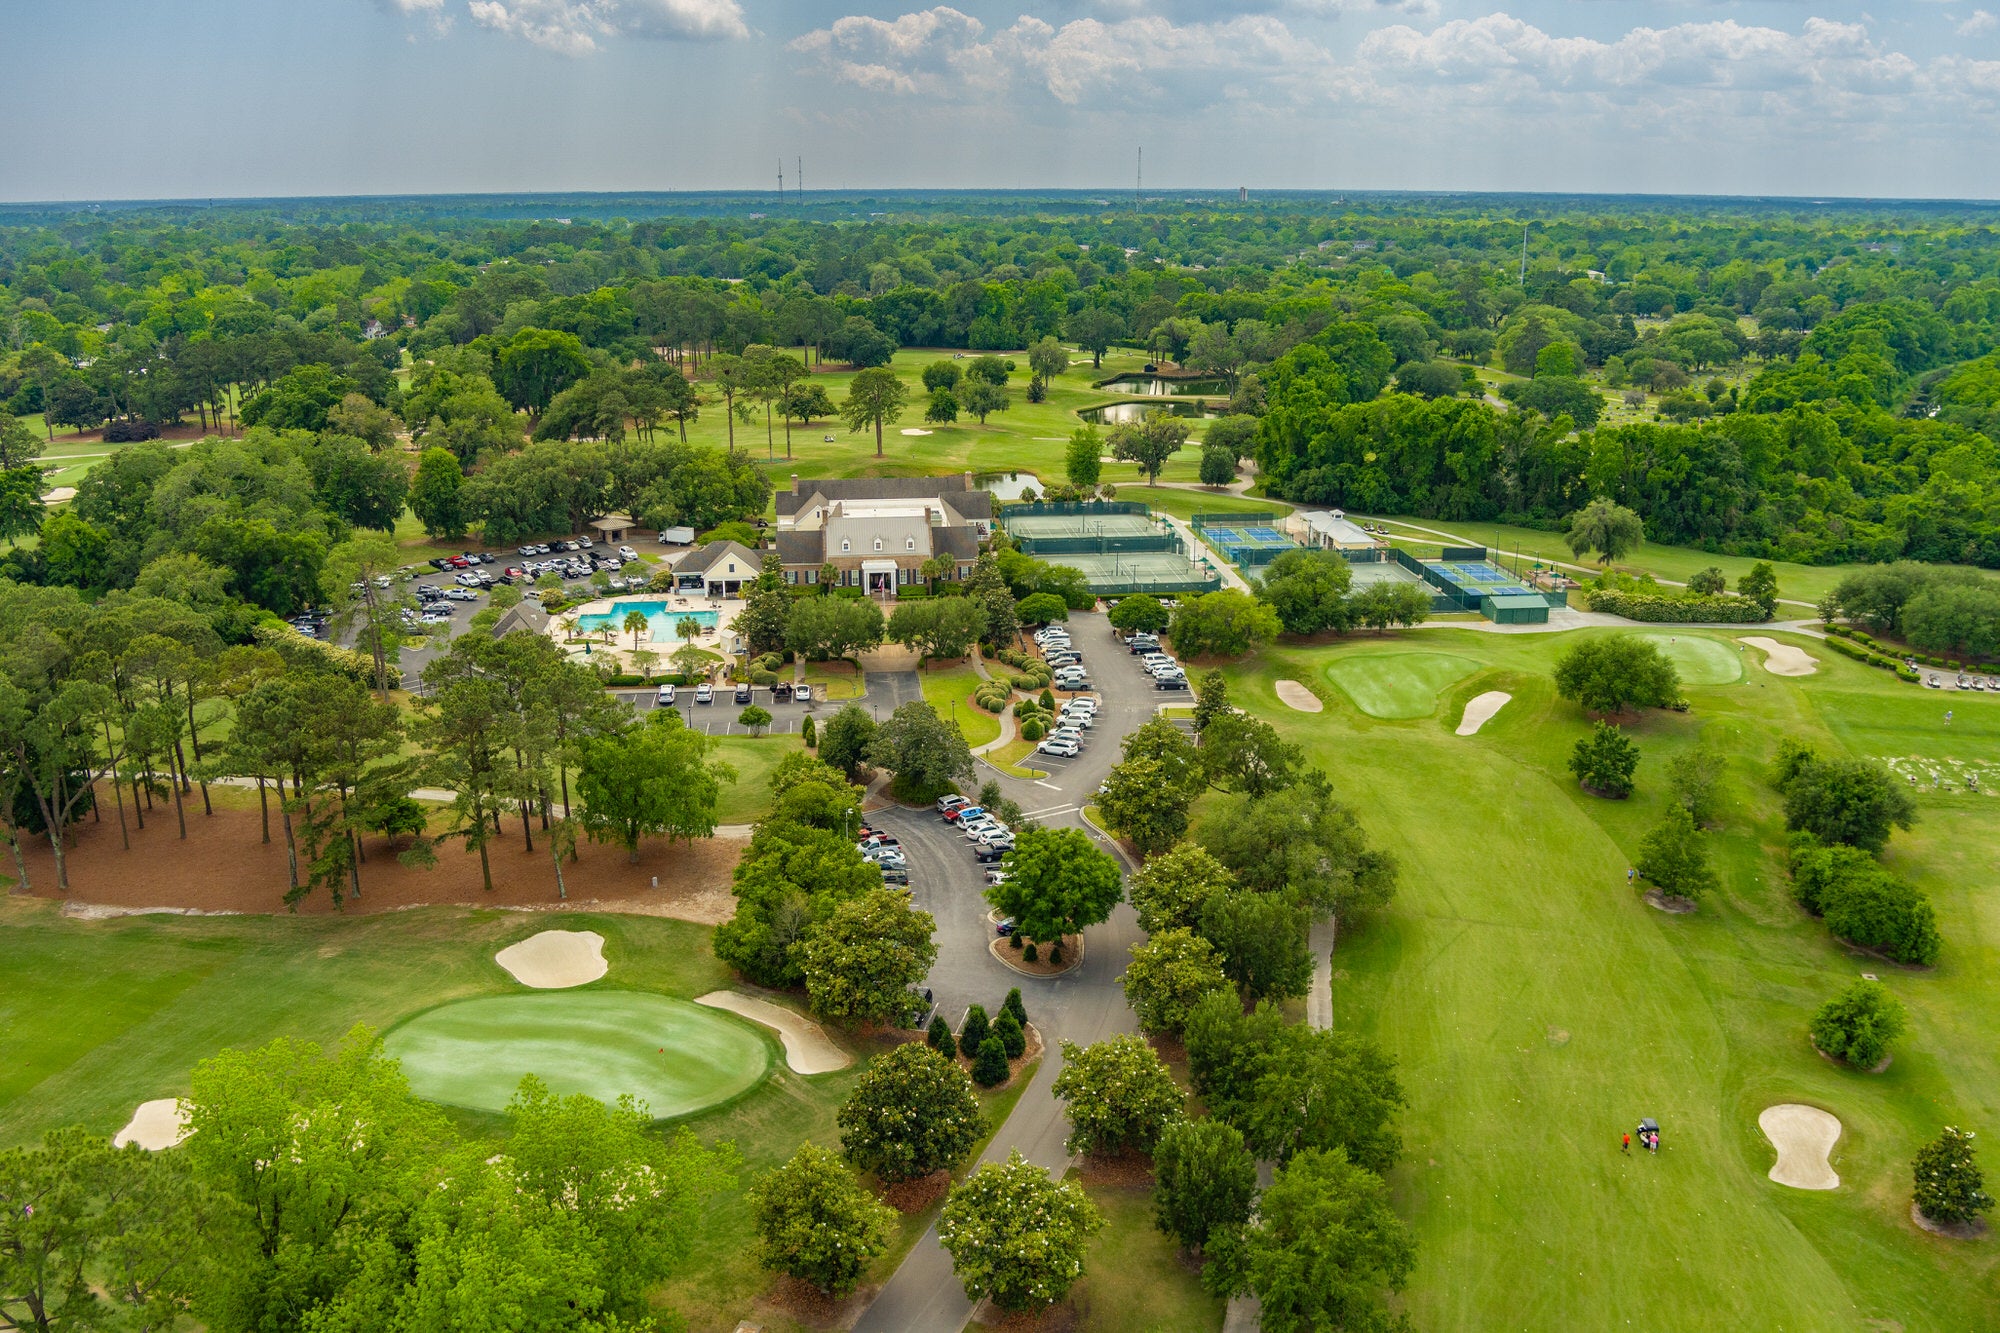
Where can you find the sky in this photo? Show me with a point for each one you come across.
(138, 99)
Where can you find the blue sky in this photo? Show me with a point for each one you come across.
(218, 98)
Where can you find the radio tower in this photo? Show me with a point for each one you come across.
(1139, 182)
(781, 180)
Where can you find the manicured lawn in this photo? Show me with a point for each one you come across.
(1701, 660)
(673, 1056)
(1133, 1278)
(949, 691)
(101, 1015)
(1016, 759)
(745, 800)
(1182, 503)
(836, 682)
(1397, 683)
(1537, 1008)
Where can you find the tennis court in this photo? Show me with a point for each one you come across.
(1484, 577)
(1115, 573)
(1044, 527)
(1247, 541)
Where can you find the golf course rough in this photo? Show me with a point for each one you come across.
(673, 1056)
(1398, 686)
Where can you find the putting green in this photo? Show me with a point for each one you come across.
(1700, 661)
(604, 1043)
(1398, 685)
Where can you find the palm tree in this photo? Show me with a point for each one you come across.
(935, 568)
(636, 623)
(570, 625)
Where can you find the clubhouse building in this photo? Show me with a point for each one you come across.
(878, 533)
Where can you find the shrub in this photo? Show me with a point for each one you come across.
(1033, 730)
(816, 1223)
(1879, 911)
(1012, 1039)
(1858, 1024)
(939, 1038)
(1604, 762)
(1029, 953)
(1663, 609)
(972, 1032)
(989, 1068)
(1013, 1005)
(1949, 1186)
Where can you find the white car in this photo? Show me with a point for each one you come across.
(585, 543)
(461, 594)
(803, 694)
(1081, 718)
(666, 696)
(467, 580)
(627, 553)
(1058, 747)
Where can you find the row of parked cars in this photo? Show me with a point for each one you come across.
(1066, 739)
(704, 693)
(885, 852)
(1167, 674)
(1063, 658)
(990, 838)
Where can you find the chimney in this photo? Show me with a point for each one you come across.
(795, 483)
(968, 481)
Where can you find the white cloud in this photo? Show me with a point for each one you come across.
(1978, 25)
(430, 11)
(577, 27)
(943, 52)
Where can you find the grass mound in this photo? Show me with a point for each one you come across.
(674, 1056)
(1700, 661)
(1397, 686)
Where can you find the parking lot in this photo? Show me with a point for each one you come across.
(718, 718)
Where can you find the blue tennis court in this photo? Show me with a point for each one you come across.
(1484, 577)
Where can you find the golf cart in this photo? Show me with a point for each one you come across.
(1649, 1133)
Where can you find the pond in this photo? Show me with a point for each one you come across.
(1118, 414)
(1007, 485)
(1155, 386)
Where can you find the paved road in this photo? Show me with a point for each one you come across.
(1084, 1005)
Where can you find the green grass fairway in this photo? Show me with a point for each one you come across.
(1398, 685)
(603, 1043)
(1536, 1007)
(1700, 661)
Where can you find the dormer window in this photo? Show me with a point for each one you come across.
(843, 545)
(910, 544)
(878, 543)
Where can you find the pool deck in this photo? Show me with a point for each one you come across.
(720, 639)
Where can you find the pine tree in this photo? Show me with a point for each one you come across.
(1012, 1004)
(972, 1033)
(1008, 1029)
(940, 1038)
(990, 1068)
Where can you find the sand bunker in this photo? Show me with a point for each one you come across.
(1295, 695)
(1803, 1136)
(556, 959)
(60, 495)
(1480, 711)
(1781, 659)
(915, 430)
(155, 1126)
(808, 1050)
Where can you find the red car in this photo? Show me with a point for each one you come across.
(460, 562)
(516, 572)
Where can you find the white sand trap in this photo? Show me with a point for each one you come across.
(1480, 711)
(60, 495)
(808, 1050)
(915, 430)
(1803, 1136)
(556, 959)
(1781, 659)
(155, 1126)
(1295, 695)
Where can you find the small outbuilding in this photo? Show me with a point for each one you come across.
(613, 528)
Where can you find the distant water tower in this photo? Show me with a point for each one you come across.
(1242, 194)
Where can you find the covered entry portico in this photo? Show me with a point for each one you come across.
(878, 575)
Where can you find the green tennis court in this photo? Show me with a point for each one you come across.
(673, 1056)
(1398, 685)
(1700, 661)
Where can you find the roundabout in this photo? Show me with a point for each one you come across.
(674, 1057)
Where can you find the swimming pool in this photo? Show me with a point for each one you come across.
(661, 615)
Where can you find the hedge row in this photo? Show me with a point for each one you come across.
(1868, 640)
(1663, 610)
(1872, 658)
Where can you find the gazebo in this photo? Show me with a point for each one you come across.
(613, 528)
